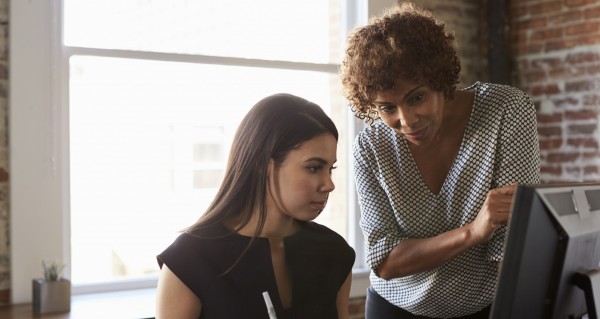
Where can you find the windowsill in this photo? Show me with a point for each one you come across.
(132, 304)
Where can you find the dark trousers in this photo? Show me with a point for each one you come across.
(377, 307)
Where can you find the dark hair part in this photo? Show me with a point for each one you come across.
(274, 126)
(405, 41)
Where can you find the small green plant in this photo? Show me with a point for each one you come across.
(52, 270)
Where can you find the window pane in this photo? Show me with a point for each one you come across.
(148, 144)
(307, 30)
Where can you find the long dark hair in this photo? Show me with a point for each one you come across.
(274, 126)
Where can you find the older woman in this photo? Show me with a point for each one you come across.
(435, 170)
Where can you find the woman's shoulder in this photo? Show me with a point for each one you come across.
(313, 232)
(201, 240)
(497, 92)
(376, 135)
(316, 229)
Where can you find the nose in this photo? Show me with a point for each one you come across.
(407, 118)
(327, 185)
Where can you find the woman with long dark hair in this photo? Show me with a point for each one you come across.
(257, 241)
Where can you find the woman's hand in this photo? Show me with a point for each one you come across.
(494, 212)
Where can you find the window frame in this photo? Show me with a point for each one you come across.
(39, 148)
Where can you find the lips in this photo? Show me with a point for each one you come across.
(416, 135)
(319, 205)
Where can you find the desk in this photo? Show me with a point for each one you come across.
(134, 304)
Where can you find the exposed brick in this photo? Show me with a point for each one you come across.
(518, 11)
(578, 3)
(550, 144)
(593, 70)
(581, 115)
(546, 34)
(530, 49)
(535, 76)
(544, 89)
(578, 86)
(582, 128)
(545, 63)
(591, 99)
(549, 118)
(544, 7)
(591, 155)
(561, 44)
(565, 17)
(582, 28)
(588, 39)
(562, 157)
(591, 170)
(586, 142)
(567, 72)
(566, 102)
(583, 57)
(573, 170)
(550, 131)
(592, 13)
(531, 23)
(551, 170)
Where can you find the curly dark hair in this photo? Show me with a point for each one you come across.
(405, 41)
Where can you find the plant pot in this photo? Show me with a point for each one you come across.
(51, 296)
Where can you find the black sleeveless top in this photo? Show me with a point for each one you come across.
(319, 261)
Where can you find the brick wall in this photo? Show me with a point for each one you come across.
(464, 18)
(556, 52)
(4, 178)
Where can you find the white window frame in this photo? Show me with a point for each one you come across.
(39, 161)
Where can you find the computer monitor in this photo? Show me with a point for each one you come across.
(552, 254)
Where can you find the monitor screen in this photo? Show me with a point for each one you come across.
(553, 234)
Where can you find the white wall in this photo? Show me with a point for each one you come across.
(38, 229)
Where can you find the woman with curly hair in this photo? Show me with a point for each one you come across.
(435, 170)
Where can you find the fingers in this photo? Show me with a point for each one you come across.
(506, 190)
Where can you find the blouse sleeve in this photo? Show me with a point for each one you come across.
(377, 218)
(518, 159)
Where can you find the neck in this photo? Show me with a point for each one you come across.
(277, 226)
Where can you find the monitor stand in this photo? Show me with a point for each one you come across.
(590, 283)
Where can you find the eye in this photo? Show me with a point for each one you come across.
(314, 169)
(386, 108)
(416, 98)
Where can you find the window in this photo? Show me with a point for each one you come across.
(127, 136)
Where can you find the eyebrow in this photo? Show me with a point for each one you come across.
(405, 95)
(318, 159)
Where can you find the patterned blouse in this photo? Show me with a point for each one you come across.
(499, 147)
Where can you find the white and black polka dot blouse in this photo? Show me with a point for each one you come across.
(499, 147)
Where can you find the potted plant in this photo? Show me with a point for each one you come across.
(51, 293)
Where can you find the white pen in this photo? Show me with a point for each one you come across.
(269, 304)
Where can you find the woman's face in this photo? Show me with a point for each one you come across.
(414, 110)
(299, 187)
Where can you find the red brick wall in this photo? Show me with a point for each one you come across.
(556, 55)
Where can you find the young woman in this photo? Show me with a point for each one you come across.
(435, 171)
(257, 235)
